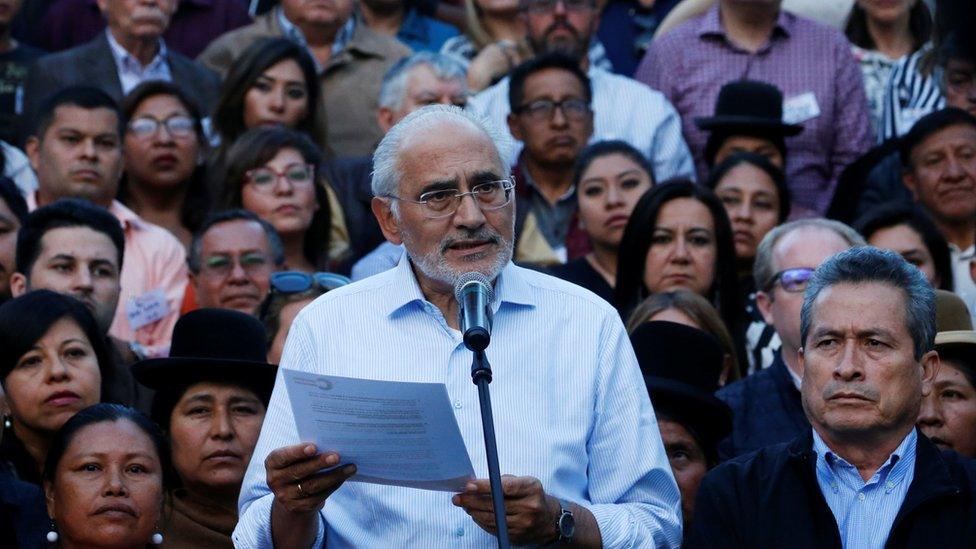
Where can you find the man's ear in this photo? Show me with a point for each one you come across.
(908, 179)
(384, 117)
(764, 302)
(18, 285)
(383, 210)
(514, 127)
(33, 149)
(930, 368)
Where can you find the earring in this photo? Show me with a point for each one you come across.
(7, 424)
(157, 539)
(52, 535)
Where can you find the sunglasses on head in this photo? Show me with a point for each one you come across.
(296, 282)
(792, 280)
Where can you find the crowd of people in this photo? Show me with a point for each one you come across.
(732, 245)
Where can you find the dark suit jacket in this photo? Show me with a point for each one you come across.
(92, 64)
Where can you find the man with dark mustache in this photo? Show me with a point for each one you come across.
(622, 107)
(863, 476)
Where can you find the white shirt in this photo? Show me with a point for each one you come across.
(132, 72)
(624, 109)
(570, 408)
(962, 278)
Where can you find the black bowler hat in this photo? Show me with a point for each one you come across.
(218, 345)
(749, 107)
(681, 367)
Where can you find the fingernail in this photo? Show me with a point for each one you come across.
(332, 459)
(310, 450)
(471, 487)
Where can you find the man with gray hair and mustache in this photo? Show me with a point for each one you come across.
(863, 476)
(572, 418)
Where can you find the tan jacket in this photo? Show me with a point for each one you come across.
(350, 81)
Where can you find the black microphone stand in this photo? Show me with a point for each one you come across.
(481, 376)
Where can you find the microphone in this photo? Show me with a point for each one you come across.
(474, 294)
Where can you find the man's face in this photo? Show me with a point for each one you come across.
(449, 157)
(563, 26)
(79, 156)
(942, 176)
(424, 88)
(960, 84)
(687, 461)
(9, 225)
(8, 9)
(552, 136)
(948, 415)
(317, 12)
(80, 262)
(861, 380)
(236, 263)
(803, 248)
(138, 19)
(747, 143)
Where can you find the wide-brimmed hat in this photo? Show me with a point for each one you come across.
(955, 336)
(681, 367)
(219, 345)
(749, 107)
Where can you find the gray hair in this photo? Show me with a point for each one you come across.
(867, 264)
(395, 80)
(193, 259)
(763, 269)
(386, 161)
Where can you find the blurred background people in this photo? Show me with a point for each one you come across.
(948, 414)
(681, 367)
(163, 148)
(908, 230)
(211, 395)
(15, 59)
(13, 211)
(609, 178)
(231, 260)
(403, 20)
(53, 363)
(493, 42)
(289, 293)
(274, 173)
(105, 478)
(679, 237)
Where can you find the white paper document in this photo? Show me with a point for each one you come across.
(395, 432)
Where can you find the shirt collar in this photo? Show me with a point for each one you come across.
(125, 60)
(404, 290)
(293, 33)
(903, 454)
(711, 24)
(525, 177)
(127, 218)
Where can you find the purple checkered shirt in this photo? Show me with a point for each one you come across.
(691, 63)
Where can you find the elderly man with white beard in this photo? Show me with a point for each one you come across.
(572, 419)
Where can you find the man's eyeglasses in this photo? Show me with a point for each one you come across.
(543, 109)
(490, 195)
(792, 280)
(177, 126)
(265, 177)
(221, 265)
(294, 282)
(545, 6)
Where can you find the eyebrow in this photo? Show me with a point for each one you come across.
(127, 456)
(860, 334)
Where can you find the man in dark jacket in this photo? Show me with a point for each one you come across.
(863, 476)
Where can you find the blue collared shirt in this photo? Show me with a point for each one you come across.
(423, 33)
(132, 72)
(865, 511)
(293, 33)
(570, 409)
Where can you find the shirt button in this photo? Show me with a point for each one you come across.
(459, 532)
(860, 496)
(891, 484)
(457, 406)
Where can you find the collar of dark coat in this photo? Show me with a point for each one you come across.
(932, 480)
(365, 42)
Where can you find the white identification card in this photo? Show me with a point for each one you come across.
(146, 308)
(800, 108)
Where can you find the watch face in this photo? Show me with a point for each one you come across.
(567, 525)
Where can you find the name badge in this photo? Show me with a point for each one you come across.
(146, 309)
(800, 108)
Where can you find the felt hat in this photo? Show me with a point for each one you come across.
(749, 107)
(955, 336)
(218, 345)
(681, 367)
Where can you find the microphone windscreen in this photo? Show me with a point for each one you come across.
(468, 278)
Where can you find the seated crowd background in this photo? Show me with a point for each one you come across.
(181, 179)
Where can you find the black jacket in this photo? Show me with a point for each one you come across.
(771, 498)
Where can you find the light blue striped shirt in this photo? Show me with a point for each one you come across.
(865, 511)
(570, 408)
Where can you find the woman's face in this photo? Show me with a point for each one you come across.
(279, 97)
(904, 240)
(886, 11)
(285, 318)
(752, 202)
(161, 145)
(948, 414)
(55, 379)
(108, 487)
(287, 200)
(608, 191)
(683, 252)
(213, 430)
